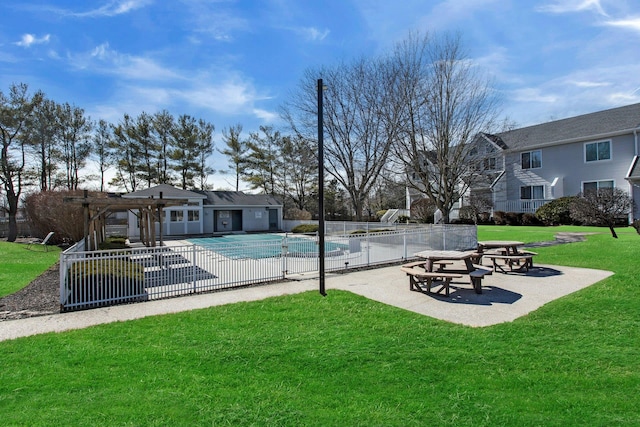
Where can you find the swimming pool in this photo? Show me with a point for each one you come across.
(258, 246)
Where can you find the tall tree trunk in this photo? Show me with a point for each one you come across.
(12, 200)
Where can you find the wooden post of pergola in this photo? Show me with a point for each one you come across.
(95, 209)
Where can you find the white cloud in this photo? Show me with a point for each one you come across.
(569, 6)
(103, 59)
(212, 19)
(312, 33)
(229, 97)
(590, 84)
(29, 39)
(533, 95)
(631, 23)
(266, 116)
(112, 8)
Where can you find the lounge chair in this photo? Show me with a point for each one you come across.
(42, 242)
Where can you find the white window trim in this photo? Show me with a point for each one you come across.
(596, 181)
(531, 186)
(531, 151)
(584, 153)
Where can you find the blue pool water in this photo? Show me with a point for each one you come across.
(257, 246)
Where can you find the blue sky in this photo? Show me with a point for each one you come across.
(235, 61)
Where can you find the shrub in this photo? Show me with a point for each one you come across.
(636, 225)
(556, 212)
(114, 242)
(463, 221)
(373, 230)
(47, 212)
(305, 228)
(403, 219)
(299, 214)
(513, 218)
(467, 213)
(500, 217)
(103, 279)
(485, 218)
(530, 219)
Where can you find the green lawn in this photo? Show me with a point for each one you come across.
(19, 266)
(343, 360)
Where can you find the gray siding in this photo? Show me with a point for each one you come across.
(567, 162)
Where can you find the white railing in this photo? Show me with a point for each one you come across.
(98, 278)
(388, 215)
(519, 206)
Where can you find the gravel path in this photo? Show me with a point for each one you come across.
(39, 298)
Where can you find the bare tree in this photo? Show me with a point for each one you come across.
(16, 110)
(358, 133)
(447, 102)
(603, 206)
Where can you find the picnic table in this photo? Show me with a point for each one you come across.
(510, 247)
(509, 253)
(437, 257)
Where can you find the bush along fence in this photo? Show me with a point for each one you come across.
(107, 277)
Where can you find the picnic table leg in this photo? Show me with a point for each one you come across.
(477, 284)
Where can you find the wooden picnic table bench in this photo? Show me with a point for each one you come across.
(517, 262)
(417, 278)
(441, 264)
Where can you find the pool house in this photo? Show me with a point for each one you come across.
(209, 212)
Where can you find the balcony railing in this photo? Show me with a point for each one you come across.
(520, 206)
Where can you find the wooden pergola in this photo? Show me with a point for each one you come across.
(96, 209)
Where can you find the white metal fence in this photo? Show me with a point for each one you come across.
(98, 278)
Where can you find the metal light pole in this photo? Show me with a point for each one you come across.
(321, 188)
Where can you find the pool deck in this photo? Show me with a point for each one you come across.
(505, 298)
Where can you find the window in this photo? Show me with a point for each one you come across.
(193, 216)
(531, 159)
(490, 164)
(596, 151)
(532, 192)
(176, 216)
(595, 185)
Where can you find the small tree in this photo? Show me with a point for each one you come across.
(422, 210)
(478, 204)
(603, 206)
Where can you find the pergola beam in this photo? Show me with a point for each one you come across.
(96, 207)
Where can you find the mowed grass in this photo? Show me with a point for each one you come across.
(345, 360)
(19, 266)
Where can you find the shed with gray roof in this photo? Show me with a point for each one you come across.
(210, 212)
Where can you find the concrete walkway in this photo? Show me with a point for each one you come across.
(505, 297)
